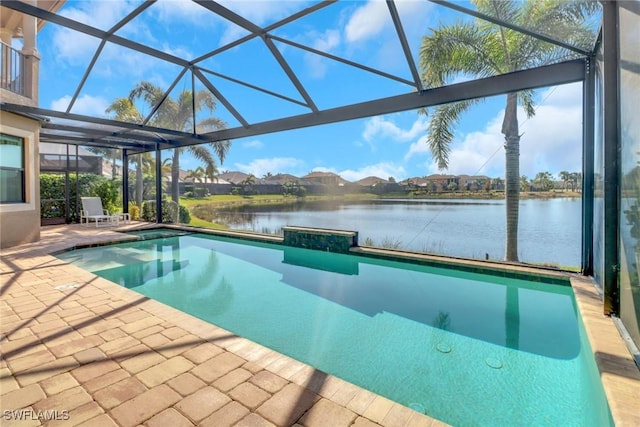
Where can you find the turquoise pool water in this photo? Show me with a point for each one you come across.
(468, 349)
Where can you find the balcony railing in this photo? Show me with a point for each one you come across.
(12, 70)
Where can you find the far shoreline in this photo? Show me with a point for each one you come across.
(483, 195)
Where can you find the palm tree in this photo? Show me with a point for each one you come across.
(574, 179)
(196, 174)
(124, 110)
(177, 114)
(543, 181)
(211, 173)
(497, 183)
(565, 177)
(525, 185)
(483, 49)
(248, 182)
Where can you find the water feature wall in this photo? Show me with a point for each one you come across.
(320, 239)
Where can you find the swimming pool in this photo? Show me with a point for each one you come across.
(465, 348)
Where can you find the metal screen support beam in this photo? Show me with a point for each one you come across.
(611, 157)
(164, 96)
(220, 97)
(550, 75)
(158, 185)
(502, 23)
(86, 75)
(95, 32)
(345, 61)
(588, 145)
(125, 181)
(18, 108)
(290, 73)
(397, 22)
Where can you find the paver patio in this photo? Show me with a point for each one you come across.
(85, 351)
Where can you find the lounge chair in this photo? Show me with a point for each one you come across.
(92, 210)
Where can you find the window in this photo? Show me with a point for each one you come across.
(11, 169)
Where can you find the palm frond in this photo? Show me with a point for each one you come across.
(440, 129)
(124, 110)
(205, 99)
(202, 153)
(149, 92)
(459, 48)
(221, 148)
(210, 124)
(526, 100)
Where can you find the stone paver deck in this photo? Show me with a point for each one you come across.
(80, 350)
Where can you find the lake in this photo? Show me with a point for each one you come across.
(549, 229)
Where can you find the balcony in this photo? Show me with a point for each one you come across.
(12, 70)
(18, 76)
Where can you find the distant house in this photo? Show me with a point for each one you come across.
(109, 170)
(326, 178)
(371, 181)
(441, 182)
(474, 182)
(281, 179)
(234, 177)
(416, 181)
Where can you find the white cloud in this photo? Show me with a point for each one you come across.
(325, 42)
(76, 48)
(261, 13)
(382, 170)
(419, 147)
(381, 127)
(72, 47)
(253, 144)
(180, 10)
(551, 140)
(370, 30)
(177, 51)
(480, 153)
(275, 165)
(416, 17)
(86, 104)
(367, 21)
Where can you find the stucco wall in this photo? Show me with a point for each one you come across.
(20, 222)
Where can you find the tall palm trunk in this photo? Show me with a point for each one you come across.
(175, 175)
(512, 175)
(139, 181)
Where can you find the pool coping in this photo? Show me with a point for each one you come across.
(503, 269)
(619, 374)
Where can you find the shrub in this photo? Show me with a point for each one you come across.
(171, 212)
(134, 211)
(149, 210)
(52, 193)
(109, 192)
(185, 216)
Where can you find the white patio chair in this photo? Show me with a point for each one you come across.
(92, 210)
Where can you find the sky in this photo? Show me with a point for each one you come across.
(385, 146)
